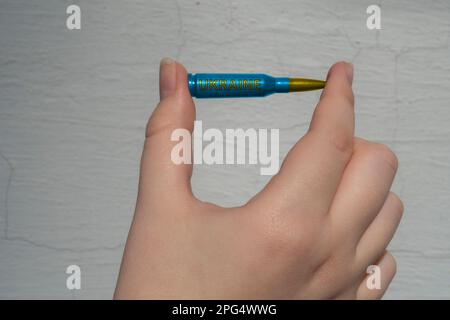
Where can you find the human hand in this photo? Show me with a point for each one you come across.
(310, 233)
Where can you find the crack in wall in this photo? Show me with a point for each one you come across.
(6, 237)
(62, 249)
(397, 55)
(8, 185)
(181, 31)
(415, 253)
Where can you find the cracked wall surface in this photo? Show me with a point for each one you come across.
(73, 106)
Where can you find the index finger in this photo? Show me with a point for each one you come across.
(313, 168)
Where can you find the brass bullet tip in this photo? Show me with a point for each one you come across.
(301, 84)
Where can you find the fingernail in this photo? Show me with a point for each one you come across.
(167, 77)
(349, 72)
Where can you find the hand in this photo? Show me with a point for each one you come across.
(310, 233)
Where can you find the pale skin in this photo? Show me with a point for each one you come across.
(310, 233)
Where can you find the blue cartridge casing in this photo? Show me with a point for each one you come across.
(235, 85)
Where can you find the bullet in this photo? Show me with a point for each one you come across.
(240, 85)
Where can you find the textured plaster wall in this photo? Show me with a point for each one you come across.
(73, 107)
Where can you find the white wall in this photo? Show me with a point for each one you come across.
(73, 107)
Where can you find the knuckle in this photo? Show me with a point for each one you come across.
(398, 203)
(394, 266)
(384, 153)
(158, 123)
(342, 141)
(392, 262)
(154, 129)
(348, 97)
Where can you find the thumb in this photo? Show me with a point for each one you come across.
(161, 178)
